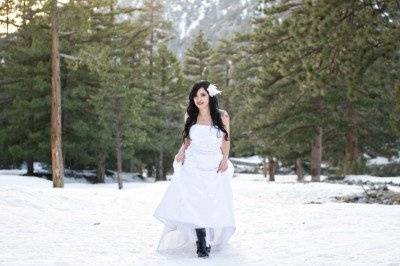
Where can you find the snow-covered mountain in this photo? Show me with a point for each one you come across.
(217, 18)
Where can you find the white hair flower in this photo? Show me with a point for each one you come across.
(212, 90)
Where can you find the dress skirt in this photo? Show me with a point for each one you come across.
(197, 197)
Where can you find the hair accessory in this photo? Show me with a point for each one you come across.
(212, 90)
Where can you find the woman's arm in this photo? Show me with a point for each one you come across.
(226, 144)
(186, 142)
(184, 146)
(181, 152)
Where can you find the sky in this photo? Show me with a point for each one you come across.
(3, 28)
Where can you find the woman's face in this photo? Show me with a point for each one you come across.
(201, 99)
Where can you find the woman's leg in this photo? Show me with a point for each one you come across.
(202, 249)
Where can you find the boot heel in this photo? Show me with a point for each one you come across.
(202, 249)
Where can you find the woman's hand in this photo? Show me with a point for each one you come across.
(180, 157)
(223, 165)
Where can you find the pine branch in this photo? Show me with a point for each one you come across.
(10, 81)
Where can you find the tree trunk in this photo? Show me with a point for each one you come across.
(160, 166)
(157, 164)
(351, 148)
(101, 168)
(351, 152)
(29, 166)
(316, 156)
(131, 165)
(118, 148)
(57, 165)
(265, 167)
(271, 169)
(150, 171)
(140, 168)
(228, 73)
(299, 169)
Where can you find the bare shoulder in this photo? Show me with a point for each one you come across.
(224, 116)
(223, 113)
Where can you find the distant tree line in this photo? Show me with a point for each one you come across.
(313, 82)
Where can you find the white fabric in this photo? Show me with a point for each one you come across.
(198, 196)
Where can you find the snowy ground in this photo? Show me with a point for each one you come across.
(282, 223)
(373, 179)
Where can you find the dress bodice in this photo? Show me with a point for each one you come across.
(205, 139)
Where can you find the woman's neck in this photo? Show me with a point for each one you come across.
(204, 114)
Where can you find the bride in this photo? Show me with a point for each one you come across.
(197, 207)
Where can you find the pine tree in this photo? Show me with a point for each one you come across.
(25, 87)
(116, 103)
(151, 19)
(316, 77)
(165, 110)
(197, 63)
(82, 130)
(241, 96)
(157, 31)
(223, 66)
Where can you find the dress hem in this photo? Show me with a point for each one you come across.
(181, 235)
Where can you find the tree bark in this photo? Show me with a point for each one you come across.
(351, 152)
(160, 166)
(316, 156)
(265, 167)
(271, 169)
(101, 168)
(118, 148)
(150, 171)
(141, 168)
(299, 169)
(57, 165)
(351, 148)
(29, 166)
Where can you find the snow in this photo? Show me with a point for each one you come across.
(176, 8)
(255, 159)
(372, 179)
(278, 223)
(182, 26)
(243, 15)
(379, 160)
(126, 177)
(196, 22)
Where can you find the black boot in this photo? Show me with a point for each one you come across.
(202, 249)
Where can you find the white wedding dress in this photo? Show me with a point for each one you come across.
(198, 196)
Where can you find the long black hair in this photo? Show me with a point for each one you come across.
(193, 110)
